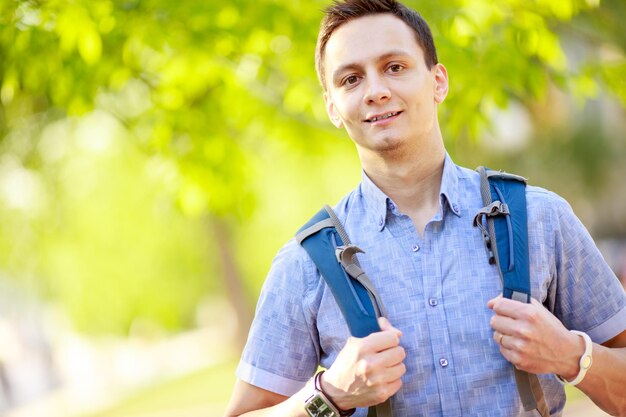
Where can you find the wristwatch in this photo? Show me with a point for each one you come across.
(319, 405)
(584, 362)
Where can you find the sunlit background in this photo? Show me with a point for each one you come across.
(155, 154)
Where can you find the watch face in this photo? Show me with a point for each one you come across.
(317, 407)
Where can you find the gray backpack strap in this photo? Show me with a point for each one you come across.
(381, 410)
(511, 259)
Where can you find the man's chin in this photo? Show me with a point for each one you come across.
(389, 144)
(386, 147)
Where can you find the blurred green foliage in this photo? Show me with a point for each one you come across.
(129, 127)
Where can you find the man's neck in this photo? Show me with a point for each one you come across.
(412, 183)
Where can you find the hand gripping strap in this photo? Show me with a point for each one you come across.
(508, 237)
(329, 247)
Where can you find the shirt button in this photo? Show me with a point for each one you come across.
(455, 208)
(443, 362)
(380, 221)
(433, 302)
(415, 248)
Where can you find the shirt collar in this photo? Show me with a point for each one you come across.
(449, 191)
(379, 204)
(376, 201)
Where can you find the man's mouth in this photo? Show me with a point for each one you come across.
(383, 116)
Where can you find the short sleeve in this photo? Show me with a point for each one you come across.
(589, 297)
(282, 350)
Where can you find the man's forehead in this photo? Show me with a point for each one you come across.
(369, 37)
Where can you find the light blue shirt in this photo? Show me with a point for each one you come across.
(435, 290)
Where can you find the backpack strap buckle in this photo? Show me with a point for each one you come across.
(497, 208)
(345, 253)
(344, 256)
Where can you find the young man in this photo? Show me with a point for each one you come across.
(449, 339)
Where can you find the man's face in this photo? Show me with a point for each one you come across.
(378, 86)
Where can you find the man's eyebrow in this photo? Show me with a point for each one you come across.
(355, 65)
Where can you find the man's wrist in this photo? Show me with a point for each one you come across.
(576, 348)
(583, 360)
(333, 394)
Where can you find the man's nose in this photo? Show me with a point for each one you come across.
(377, 90)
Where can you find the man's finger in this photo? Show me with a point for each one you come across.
(491, 302)
(504, 324)
(395, 372)
(507, 307)
(385, 325)
(390, 357)
(379, 341)
(389, 374)
(394, 387)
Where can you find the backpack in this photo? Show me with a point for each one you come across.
(506, 240)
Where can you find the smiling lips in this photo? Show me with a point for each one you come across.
(382, 117)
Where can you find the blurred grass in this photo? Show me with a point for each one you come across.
(202, 393)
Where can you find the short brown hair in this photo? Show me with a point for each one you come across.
(343, 11)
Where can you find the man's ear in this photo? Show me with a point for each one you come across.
(332, 112)
(440, 83)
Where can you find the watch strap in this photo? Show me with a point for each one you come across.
(584, 362)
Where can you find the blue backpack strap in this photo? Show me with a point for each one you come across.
(329, 247)
(320, 238)
(506, 239)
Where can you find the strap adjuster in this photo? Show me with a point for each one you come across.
(345, 253)
(497, 208)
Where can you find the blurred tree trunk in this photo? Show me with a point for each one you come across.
(232, 278)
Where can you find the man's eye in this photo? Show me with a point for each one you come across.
(396, 68)
(352, 79)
